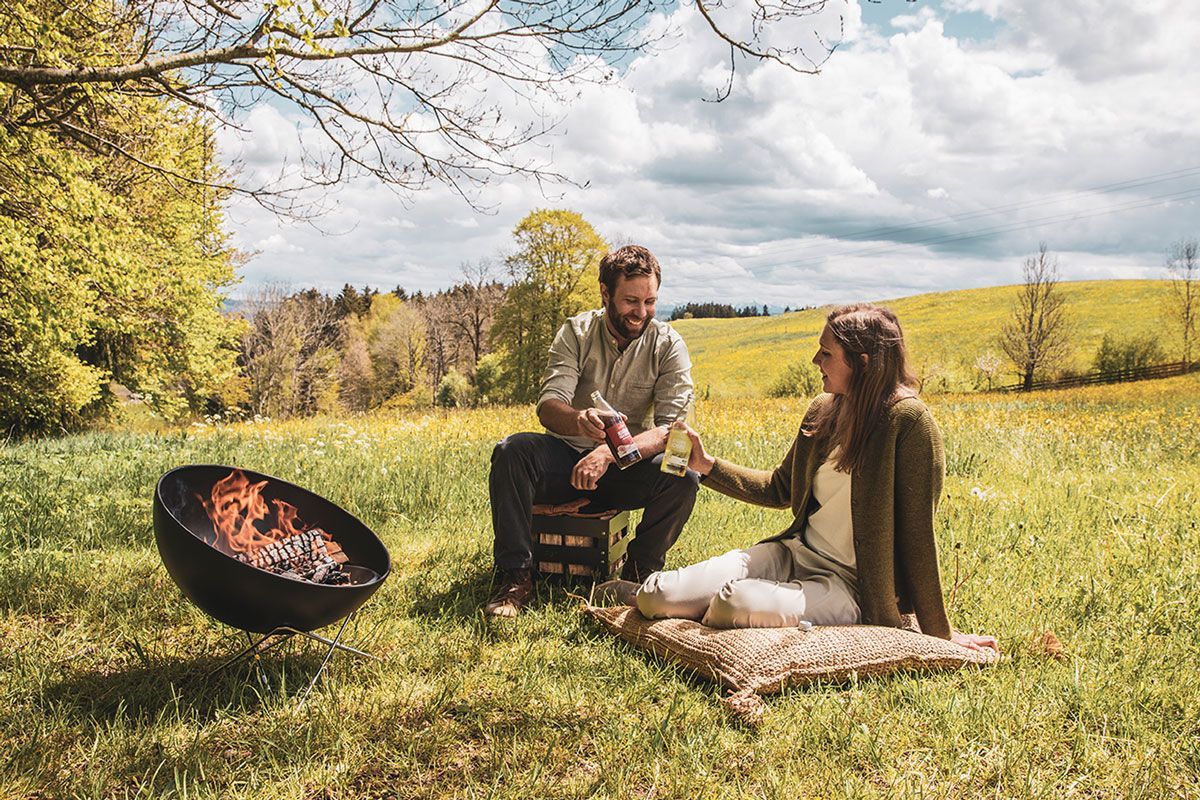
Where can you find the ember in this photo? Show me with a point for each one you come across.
(275, 541)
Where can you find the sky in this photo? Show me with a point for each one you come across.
(937, 147)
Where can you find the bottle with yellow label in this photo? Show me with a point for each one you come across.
(679, 444)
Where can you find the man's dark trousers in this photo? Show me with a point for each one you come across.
(529, 468)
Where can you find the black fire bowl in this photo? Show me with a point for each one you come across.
(247, 597)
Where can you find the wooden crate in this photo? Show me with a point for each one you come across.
(580, 548)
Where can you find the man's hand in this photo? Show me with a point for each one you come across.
(591, 468)
(590, 424)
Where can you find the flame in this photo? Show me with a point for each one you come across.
(239, 515)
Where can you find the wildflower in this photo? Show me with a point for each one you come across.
(982, 495)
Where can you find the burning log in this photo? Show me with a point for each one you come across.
(334, 549)
(304, 555)
(246, 529)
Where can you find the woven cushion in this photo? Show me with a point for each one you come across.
(765, 660)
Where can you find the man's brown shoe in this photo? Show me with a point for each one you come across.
(515, 587)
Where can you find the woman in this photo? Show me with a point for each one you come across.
(862, 478)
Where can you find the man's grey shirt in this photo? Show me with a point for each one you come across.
(653, 374)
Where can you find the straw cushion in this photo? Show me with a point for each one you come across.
(765, 660)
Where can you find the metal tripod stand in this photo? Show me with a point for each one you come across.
(284, 632)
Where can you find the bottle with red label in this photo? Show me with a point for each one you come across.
(616, 433)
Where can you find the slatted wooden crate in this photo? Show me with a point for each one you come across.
(580, 548)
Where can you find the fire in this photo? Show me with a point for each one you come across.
(242, 519)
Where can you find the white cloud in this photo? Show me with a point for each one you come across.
(276, 243)
(914, 161)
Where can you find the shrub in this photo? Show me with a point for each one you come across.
(489, 378)
(1128, 353)
(454, 391)
(798, 380)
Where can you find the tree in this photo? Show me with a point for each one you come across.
(556, 275)
(395, 335)
(108, 277)
(454, 391)
(351, 301)
(1036, 336)
(472, 305)
(406, 93)
(988, 365)
(1183, 269)
(290, 354)
(356, 373)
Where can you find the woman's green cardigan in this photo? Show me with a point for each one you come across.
(893, 498)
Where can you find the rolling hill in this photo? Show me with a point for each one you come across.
(946, 333)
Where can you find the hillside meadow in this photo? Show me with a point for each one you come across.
(946, 333)
(1073, 512)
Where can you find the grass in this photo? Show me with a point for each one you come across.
(1074, 512)
(946, 333)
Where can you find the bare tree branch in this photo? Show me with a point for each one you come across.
(1037, 336)
(397, 89)
(1183, 270)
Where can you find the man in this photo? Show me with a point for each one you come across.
(635, 362)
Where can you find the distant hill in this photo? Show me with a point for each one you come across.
(946, 333)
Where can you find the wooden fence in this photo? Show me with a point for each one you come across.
(1115, 376)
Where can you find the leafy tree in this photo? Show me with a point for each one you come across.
(109, 277)
(556, 275)
(454, 391)
(1037, 336)
(489, 378)
(395, 336)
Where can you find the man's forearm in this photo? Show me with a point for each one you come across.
(558, 417)
(562, 419)
(651, 441)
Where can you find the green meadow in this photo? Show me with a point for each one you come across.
(946, 333)
(1073, 513)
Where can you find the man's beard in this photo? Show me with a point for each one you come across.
(620, 325)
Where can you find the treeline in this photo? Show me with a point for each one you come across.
(480, 341)
(306, 352)
(716, 311)
(82, 332)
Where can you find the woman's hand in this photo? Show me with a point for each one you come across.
(700, 460)
(974, 641)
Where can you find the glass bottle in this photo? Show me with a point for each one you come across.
(679, 444)
(616, 433)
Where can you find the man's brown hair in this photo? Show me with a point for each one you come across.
(631, 261)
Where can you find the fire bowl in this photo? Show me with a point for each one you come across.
(245, 596)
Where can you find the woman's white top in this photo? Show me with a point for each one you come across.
(830, 529)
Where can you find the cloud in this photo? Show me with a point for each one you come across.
(276, 243)
(915, 161)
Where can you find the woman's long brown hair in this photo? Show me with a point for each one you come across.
(848, 421)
